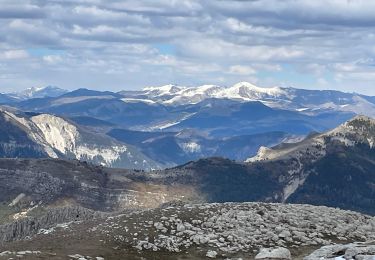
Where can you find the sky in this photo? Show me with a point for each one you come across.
(123, 45)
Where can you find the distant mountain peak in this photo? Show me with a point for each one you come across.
(89, 92)
(243, 91)
(247, 91)
(164, 90)
(250, 86)
(40, 92)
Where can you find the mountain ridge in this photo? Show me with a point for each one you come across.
(312, 171)
(45, 135)
(281, 97)
(39, 92)
(359, 129)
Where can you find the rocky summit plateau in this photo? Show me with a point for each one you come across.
(200, 231)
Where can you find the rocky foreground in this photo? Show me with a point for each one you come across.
(203, 231)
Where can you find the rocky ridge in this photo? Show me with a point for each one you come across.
(31, 135)
(359, 130)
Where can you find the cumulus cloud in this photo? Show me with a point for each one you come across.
(119, 43)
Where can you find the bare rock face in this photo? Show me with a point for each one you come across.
(25, 135)
(25, 183)
(358, 251)
(32, 225)
(279, 253)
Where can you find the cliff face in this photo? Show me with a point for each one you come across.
(47, 181)
(28, 186)
(26, 135)
(43, 224)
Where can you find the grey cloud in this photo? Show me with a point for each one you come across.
(26, 34)
(299, 13)
(121, 40)
(14, 11)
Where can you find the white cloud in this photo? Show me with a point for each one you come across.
(219, 49)
(52, 59)
(242, 70)
(14, 54)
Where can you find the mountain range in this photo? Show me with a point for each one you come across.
(105, 212)
(172, 125)
(136, 114)
(312, 101)
(215, 117)
(335, 168)
(43, 135)
(309, 101)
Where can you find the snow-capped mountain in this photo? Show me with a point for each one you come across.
(213, 116)
(39, 92)
(310, 102)
(307, 101)
(181, 95)
(44, 135)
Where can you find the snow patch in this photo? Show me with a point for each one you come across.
(135, 100)
(109, 155)
(163, 90)
(191, 147)
(247, 91)
(165, 125)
